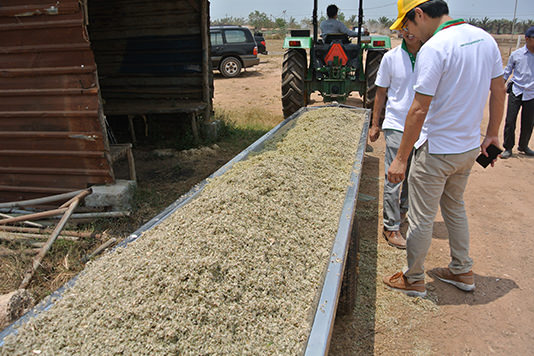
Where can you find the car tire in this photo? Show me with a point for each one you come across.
(230, 67)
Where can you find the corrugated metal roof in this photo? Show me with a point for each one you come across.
(52, 138)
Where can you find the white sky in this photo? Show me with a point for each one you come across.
(372, 8)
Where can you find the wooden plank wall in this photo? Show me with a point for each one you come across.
(52, 138)
(149, 55)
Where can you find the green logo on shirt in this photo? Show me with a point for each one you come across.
(471, 43)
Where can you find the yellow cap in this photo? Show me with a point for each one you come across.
(404, 6)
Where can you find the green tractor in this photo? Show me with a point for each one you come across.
(335, 67)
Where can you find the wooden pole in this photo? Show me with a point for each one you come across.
(36, 216)
(48, 244)
(80, 196)
(29, 223)
(99, 249)
(48, 231)
(21, 236)
(39, 201)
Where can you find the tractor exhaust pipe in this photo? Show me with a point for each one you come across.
(314, 17)
(360, 22)
(315, 30)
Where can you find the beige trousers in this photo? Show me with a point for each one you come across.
(438, 180)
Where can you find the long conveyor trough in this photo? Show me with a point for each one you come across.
(326, 301)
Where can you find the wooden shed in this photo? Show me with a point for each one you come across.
(67, 64)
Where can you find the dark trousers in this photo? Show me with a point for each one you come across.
(527, 121)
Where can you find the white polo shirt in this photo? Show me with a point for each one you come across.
(396, 72)
(456, 67)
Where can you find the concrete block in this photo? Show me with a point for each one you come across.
(211, 130)
(119, 195)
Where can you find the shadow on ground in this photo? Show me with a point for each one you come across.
(354, 333)
(243, 75)
(488, 289)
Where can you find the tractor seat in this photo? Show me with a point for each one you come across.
(336, 37)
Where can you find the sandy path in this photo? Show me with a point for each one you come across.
(496, 319)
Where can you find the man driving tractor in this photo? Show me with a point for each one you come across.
(333, 25)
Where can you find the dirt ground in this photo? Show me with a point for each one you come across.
(496, 319)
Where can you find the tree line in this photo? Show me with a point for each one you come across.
(260, 20)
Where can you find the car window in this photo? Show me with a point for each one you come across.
(235, 36)
(216, 38)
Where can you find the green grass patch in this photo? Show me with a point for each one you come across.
(241, 128)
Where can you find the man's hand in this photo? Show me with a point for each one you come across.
(485, 144)
(496, 110)
(374, 133)
(396, 171)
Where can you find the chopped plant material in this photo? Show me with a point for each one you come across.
(235, 271)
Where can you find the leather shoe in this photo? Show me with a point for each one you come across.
(395, 239)
(526, 151)
(506, 154)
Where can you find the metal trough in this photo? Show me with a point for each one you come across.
(326, 303)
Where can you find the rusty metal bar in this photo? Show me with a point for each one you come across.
(54, 198)
(79, 197)
(24, 189)
(88, 154)
(32, 230)
(45, 48)
(50, 92)
(15, 72)
(35, 216)
(41, 25)
(45, 114)
(29, 223)
(55, 171)
(46, 247)
(90, 136)
(36, 10)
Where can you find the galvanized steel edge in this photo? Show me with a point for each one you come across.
(314, 344)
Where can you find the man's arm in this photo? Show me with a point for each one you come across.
(412, 128)
(509, 67)
(380, 101)
(343, 29)
(496, 111)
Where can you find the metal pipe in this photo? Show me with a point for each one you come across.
(49, 242)
(38, 201)
(360, 22)
(315, 30)
(32, 230)
(29, 223)
(36, 216)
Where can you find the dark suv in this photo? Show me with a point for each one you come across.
(260, 41)
(232, 48)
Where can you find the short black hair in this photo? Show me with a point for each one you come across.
(433, 8)
(331, 11)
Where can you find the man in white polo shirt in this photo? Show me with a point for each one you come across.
(394, 81)
(455, 69)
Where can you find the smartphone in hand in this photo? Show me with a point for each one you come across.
(493, 151)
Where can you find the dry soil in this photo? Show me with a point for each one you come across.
(496, 319)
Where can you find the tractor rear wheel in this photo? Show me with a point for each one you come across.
(372, 63)
(294, 69)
